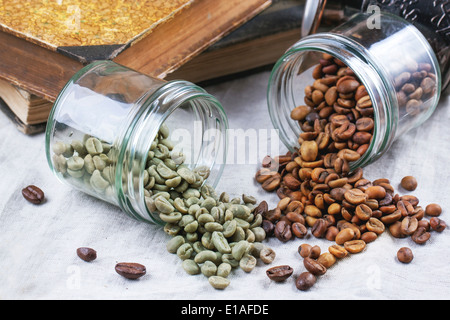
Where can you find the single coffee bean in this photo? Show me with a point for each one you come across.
(437, 224)
(299, 230)
(369, 236)
(355, 246)
(405, 255)
(420, 236)
(355, 196)
(409, 225)
(315, 252)
(319, 228)
(279, 273)
(304, 250)
(130, 271)
(327, 259)
(305, 281)
(433, 210)
(87, 254)
(375, 225)
(33, 194)
(345, 235)
(409, 183)
(363, 212)
(314, 266)
(283, 231)
(338, 251)
(376, 192)
(267, 255)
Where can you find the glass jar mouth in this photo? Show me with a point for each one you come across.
(156, 110)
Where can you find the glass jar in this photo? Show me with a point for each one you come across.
(108, 118)
(384, 59)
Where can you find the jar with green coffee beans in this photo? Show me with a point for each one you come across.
(108, 136)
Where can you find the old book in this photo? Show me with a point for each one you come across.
(44, 43)
(27, 107)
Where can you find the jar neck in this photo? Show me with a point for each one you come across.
(152, 111)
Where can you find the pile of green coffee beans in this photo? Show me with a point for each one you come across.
(212, 234)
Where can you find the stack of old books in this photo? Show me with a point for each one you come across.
(44, 43)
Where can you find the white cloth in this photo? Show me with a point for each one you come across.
(38, 243)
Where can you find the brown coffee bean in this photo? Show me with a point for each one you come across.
(345, 235)
(319, 228)
(261, 209)
(369, 236)
(405, 255)
(315, 252)
(391, 218)
(130, 271)
(363, 212)
(395, 230)
(309, 150)
(273, 215)
(331, 233)
(313, 266)
(433, 210)
(354, 246)
(375, 225)
(268, 227)
(338, 251)
(87, 254)
(272, 183)
(304, 250)
(424, 224)
(409, 225)
(33, 194)
(283, 231)
(376, 192)
(279, 273)
(305, 281)
(420, 236)
(365, 124)
(290, 182)
(437, 224)
(299, 230)
(355, 196)
(409, 183)
(326, 259)
(347, 86)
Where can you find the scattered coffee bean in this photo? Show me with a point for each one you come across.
(433, 210)
(405, 255)
(87, 254)
(33, 194)
(279, 273)
(409, 183)
(130, 271)
(314, 266)
(437, 224)
(305, 281)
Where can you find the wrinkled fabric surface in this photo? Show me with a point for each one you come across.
(38, 243)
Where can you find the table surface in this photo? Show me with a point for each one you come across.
(38, 243)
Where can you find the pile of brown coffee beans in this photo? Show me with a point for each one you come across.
(320, 194)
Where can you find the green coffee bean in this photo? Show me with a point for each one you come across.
(97, 181)
(89, 164)
(229, 228)
(187, 175)
(191, 192)
(173, 217)
(163, 205)
(191, 236)
(219, 282)
(94, 146)
(99, 162)
(76, 173)
(75, 163)
(79, 147)
(247, 263)
(208, 269)
(174, 182)
(205, 255)
(180, 206)
(239, 249)
(59, 163)
(228, 258)
(191, 227)
(224, 270)
(207, 240)
(174, 243)
(220, 242)
(185, 251)
(165, 172)
(191, 267)
(208, 203)
(213, 226)
(185, 220)
(205, 218)
(248, 199)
